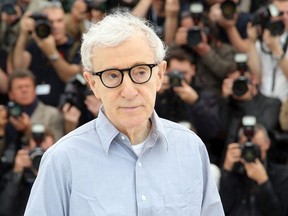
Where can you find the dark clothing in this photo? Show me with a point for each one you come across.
(213, 68)
(265, 109)
(14, 196)
(202, 115)
(242, 196)
(241, 25)
(45, 72)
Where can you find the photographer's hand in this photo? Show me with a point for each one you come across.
(22, 160)
(21, 123)
(47, 45)
(27, 24)
(93, 104)
(186, 93)
(233, 155)
(71, 116)
(3, 120)
(227, 85)
(273, 43)
(256, 171)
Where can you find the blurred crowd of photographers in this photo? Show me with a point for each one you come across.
(226, 79)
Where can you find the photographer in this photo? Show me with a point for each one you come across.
(78, 103)
(268, 54)
(181, 99)
(51, 56)
(18, 182)
(253, 188)
(214, 59)
(240, 97)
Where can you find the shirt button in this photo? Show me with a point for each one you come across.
(122, 137)
(139, 164)
(143, 197)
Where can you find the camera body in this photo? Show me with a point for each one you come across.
(228, 9)
(249, 151)
(275, 28)
(262, 17)
(75, 92)
(175, 78)
(38, 135)
(194, 34)
(42, 26)
(8, 8)
(14, 109)
(240, 85)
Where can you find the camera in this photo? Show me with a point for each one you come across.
(194, 34)
(263, 14)
(8, 8)
(249, 151)
(42, 26)
(240, 85)
(175, 78)
(14, 109)
(38, 135)
(275, 27)
(75, 92)
(228, 9)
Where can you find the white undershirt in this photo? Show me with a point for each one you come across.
(138, 148)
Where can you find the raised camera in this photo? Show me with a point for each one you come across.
(240, 85)
(276, 28)
(194, 36)
(196, 10)
(175, 78)
(75, 92)
(228, 9)
(38, 135)
(8, 8)
(263, 15)
(249, 151)
(14, 109)
(42, 25)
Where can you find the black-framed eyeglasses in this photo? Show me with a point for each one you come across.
(112, 78)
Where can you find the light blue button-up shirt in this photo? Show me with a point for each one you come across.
(94, 171)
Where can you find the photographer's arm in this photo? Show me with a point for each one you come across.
(64, 69)
(172, 9)
(21, 57)
(230, 184)
(142, 8)
(3, 82)
(269, 203)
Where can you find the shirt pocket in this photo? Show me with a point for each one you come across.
(181, 205)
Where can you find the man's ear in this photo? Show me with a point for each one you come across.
(162, 68)
(90, 80)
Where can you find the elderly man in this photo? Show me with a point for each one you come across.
(128, 161)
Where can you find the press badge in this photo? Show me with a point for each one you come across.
(43, 89)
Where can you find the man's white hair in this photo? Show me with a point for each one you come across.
(113, 30)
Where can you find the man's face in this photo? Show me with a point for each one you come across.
(22, 91)
(129, 105)
(56, 18)
(185, 67)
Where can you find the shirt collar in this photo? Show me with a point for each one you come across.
(107, 132)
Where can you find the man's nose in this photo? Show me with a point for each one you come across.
(129, 90)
